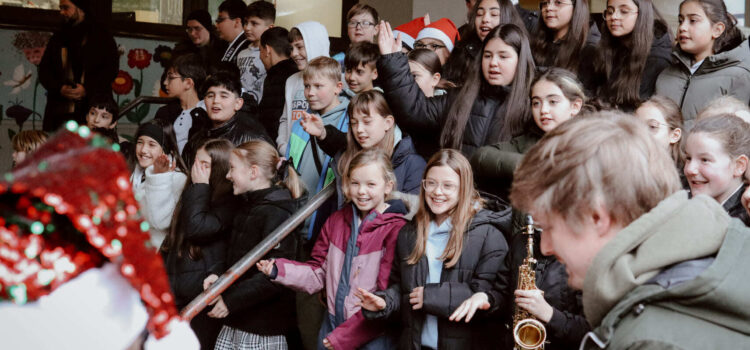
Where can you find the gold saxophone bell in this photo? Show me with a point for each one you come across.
(528, 332)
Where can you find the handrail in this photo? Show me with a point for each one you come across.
(144, 99)
(240, 267)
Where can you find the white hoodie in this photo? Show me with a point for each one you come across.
(316, 41)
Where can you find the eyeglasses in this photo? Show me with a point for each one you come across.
(354, 24)
(445, 187)
(171, 77)
(193, 29)
(624, 12)
(543, 5)
(221, 19)
(433, 47)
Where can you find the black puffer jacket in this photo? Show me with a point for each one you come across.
(424, 117)
(256, 305)
(272, 104)
(567, 326)
(237, 130)
(203, 224)
(476, 271)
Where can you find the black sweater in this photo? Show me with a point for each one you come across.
(272, 104)
(256, 305)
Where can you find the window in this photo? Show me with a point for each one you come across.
(37, 4)
(737, 8)
(150, 11)
(291, 12)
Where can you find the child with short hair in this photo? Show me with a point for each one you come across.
(103, 112)
(184, 80)
(556, 96)
(450, 250)
(275, 50)
(371, 126)
(712, 59)
(260, 16)
(360, 70)
(716, 158)
(26, 142)
(309, 41)
(353, 252)
(256, 313)
(223, 98)
(229, 26)
(362, 23)
(159, 176)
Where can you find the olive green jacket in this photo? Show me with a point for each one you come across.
(675, 278)
(494, 165)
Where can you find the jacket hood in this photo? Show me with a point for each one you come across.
(661, 47)
(395, 212)
(315, 37)
(486, 216)
(338, 110)
(675, 231)
(738, 56)
(274, 195)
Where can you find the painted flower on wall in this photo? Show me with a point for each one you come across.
(32, 45)
(123, 83)
(139, 58)
(21, 80)
(163, 55)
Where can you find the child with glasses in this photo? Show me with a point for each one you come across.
(664, 121)
(565, 35)
(636, 46)
(450, 250)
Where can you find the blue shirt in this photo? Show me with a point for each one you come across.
(437, 239)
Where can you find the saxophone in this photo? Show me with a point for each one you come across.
(528, 332)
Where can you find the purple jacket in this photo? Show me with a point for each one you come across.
(369, 269)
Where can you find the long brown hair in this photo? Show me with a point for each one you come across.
(218, 150)
(570, 45)
(468, 205)
(629, 54)
(516, 116)
(261, 154)
(672, 115)
(362, 103)
(431, 62)
(716, 11)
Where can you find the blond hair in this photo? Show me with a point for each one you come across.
(725, 104)
(325, 67)
(264, 156)
(367, 157)
(28, 140)
(468, 204)
(605, 159)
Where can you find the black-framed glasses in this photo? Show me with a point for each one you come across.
(221, 19)
(433, 47)
(543, 5)
(363, 24)
(171, 77)
(193, 29)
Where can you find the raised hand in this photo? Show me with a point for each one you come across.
(386, 42)
(369, 301)
(200, 173)
(265, 266)
(469, 307)
(162, 164)
(313, 125)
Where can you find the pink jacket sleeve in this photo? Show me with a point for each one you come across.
(310, 276)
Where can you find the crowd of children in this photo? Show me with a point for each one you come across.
(417, 254)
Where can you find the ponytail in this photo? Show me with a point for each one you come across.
(279, 172)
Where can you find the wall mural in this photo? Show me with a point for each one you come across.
(22, 98)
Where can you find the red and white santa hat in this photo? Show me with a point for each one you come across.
(409, 31)
(443, 30)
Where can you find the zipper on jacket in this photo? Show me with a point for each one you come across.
(684, 92)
